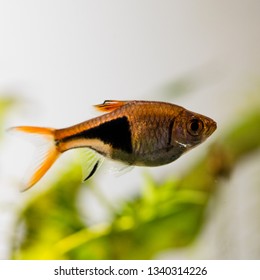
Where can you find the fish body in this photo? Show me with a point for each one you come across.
(137, 133)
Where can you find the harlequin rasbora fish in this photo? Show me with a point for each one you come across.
(137, 133)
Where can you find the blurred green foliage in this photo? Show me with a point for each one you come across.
(6, 103)
(165, 215)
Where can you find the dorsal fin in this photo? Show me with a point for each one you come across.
(110, 105)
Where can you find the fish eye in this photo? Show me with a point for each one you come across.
(195, 126)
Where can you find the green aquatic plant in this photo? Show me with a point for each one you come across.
(166, 215)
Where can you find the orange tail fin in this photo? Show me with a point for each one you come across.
(47, 155)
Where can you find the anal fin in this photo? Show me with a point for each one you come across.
(90, 161)
(95, 167)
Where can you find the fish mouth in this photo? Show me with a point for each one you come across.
(212, 127)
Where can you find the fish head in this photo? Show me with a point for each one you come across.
(190, 129)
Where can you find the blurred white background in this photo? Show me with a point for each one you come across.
(59, 57)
